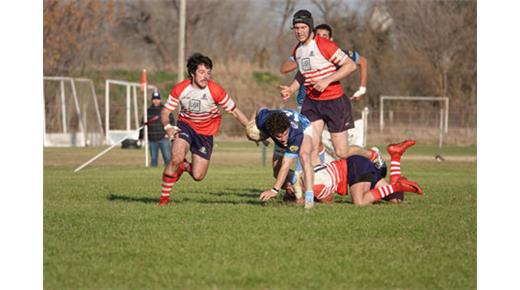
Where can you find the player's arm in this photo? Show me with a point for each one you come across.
(287, 91)
(280, 179)
(288, 66)
(240, 117)
(346, 68)
(363, 67)
(170, 129)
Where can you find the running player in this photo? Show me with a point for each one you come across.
(199, 119)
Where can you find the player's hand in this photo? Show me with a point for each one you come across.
(321, 85)
(267, 195)
(172, 132)
(358, 94)
(285, 92)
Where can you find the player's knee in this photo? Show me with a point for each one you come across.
(198, 176)
(176, 160)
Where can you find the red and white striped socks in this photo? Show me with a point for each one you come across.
(169, 180)
(166, 186)
(395, 168)
(383, 191)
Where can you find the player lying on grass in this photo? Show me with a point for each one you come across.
(292, 133)
(365, 181)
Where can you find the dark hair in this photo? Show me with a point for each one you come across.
(194, 61)
(277, 123)
(303, 16)
(324, 27)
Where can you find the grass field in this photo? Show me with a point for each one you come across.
(103, 230)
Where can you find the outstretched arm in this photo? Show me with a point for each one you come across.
(363, 66)
(288, 66)
(280, 179)
(240, 117)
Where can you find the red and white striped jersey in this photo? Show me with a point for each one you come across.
(316, 60)
(199, 106)
(329, 178)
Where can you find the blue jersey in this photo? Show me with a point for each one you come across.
(298, 124)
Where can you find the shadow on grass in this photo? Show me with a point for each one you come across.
(124, 198)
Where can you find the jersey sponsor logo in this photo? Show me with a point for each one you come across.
(293, 148)
(195, 105)
(306, 64)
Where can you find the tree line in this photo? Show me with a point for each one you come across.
(415, 48)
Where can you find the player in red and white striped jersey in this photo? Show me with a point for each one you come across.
(199, 119)
(365, 182)
(321, 65)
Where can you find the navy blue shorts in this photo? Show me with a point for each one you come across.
(199, 144)
(360, 169)
(337, 113)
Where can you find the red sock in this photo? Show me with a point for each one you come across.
(166, 186)
(395, 168)
(384, 191)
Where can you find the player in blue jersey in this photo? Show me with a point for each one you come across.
(292, 133)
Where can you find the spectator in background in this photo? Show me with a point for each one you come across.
(157, 138)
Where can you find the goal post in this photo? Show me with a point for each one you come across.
(123, 119)
(443, 110)
(71, 113)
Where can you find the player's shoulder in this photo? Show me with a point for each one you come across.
(320, 41)
(216, 88)
(179, 87)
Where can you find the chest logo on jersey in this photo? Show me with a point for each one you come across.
(204, 97)
(194, 105)
(312, 53)
(293, 148)
(306, 64)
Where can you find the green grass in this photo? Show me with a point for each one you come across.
(102, 229)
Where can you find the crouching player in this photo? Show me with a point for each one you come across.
(364, 180)
(291, 132)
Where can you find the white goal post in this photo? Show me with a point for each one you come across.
(71, 113)
(114, 135)
(444, 112)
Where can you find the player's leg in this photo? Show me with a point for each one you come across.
(173, 170)
(384, 189)
(199, 167)
(317, 129)
(359, 191)
(337, 115)
(396, 151)
(311, 110)
(201, 150)
(340, 143)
